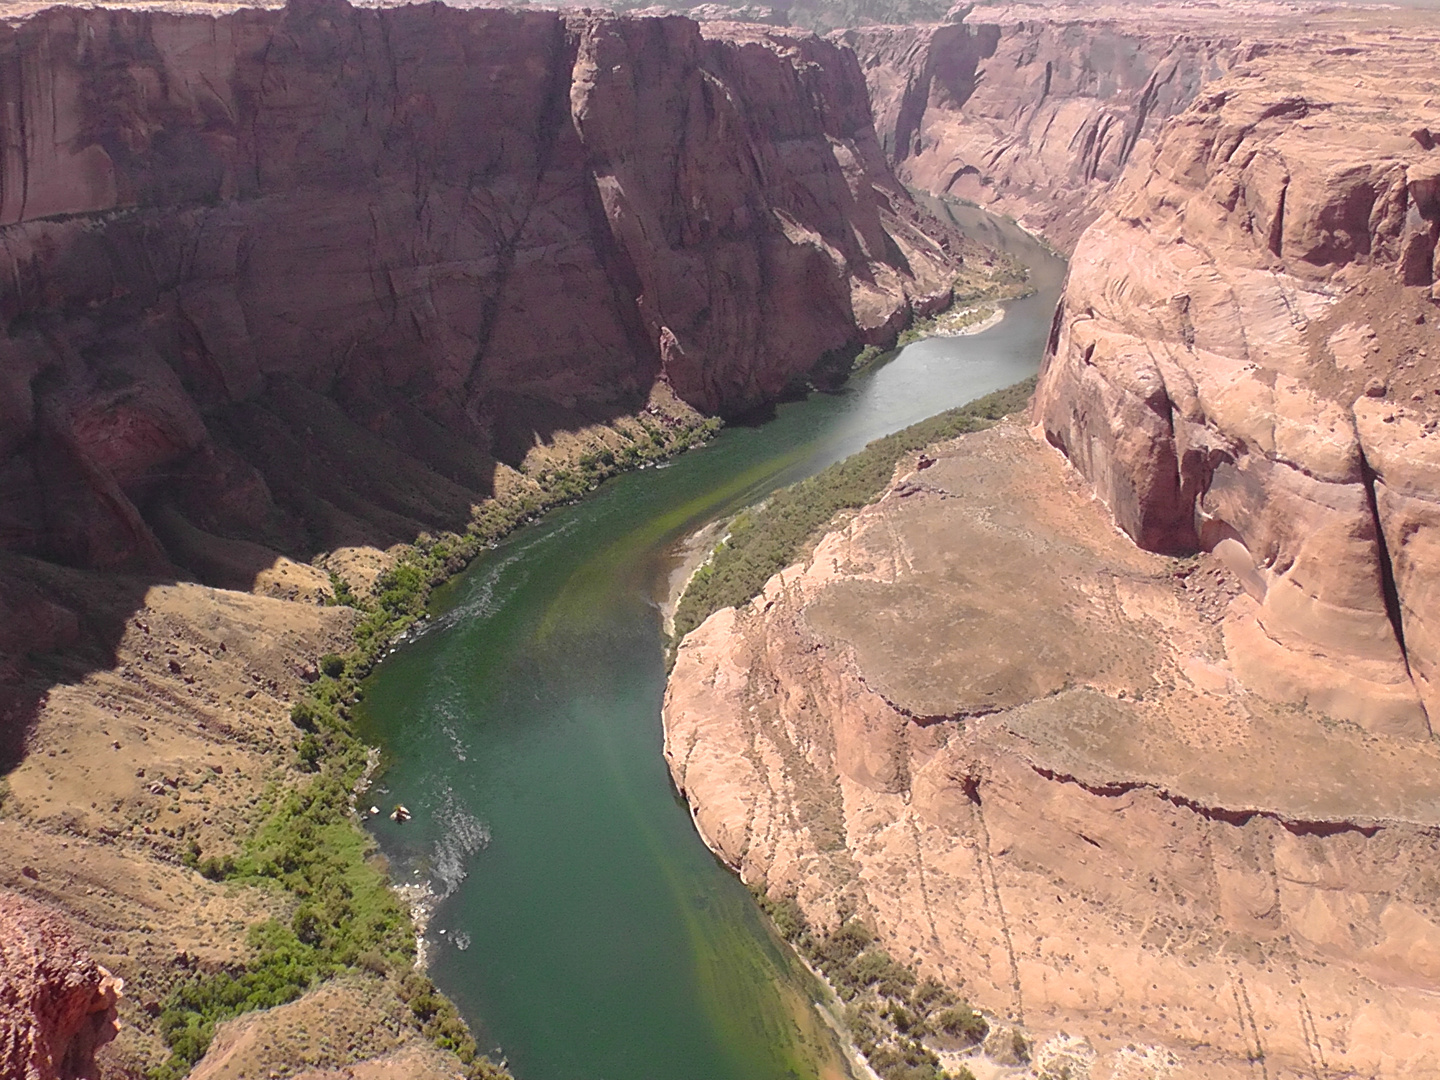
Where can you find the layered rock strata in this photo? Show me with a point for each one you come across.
(254, 263)
(983, 721)
(57, 1006)
(1172, 785)
(280, 282)
(1036, 110)
(1245, 361)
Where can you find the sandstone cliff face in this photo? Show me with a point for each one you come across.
(1183, 803)
(1245, 361)
(983, 721)
(1037, 111)
(1267, 258)
(251, 261)
(292, 281)
(57, 1006)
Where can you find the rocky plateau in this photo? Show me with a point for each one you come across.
(1168, 787)
(285, 287)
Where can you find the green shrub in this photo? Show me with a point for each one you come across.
(961, 1022)
(888, 1011)
(284, 968)
(341, 595)
(305, 715)
(308, 752)
(931, 995)
(309, 844)
(766, 539)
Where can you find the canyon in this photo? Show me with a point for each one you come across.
(1119, 715)
(286, 288)
(239, 244)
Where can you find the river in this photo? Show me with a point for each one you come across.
(580, 925)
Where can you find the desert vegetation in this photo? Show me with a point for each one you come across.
(893, 1017)
(344, 918)
(768, 537)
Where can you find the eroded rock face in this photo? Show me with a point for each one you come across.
(1017, 745)
(244, 255)
(57, 1006)
(1247, 343)
(1245, 361)
(1185, 808)
(1034, 111)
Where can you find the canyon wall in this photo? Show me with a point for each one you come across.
(1245, 361)
(258, 265)
(277, 282)
(983, 722)
(1034, 112)
(1170, 788)
(57, 1005)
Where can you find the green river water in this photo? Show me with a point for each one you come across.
(580, 924)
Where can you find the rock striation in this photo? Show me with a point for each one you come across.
(1036, 111)
(57, 1006)
(1169, 789)
(1245, 361)
(1033, 111)
(316, 279)
(984, 722)
(256, 262)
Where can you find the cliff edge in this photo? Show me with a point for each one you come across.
(983, 722)
(1245, 361)
(294, 279)
(57, 1006)
(1169, 789)
(281, 283)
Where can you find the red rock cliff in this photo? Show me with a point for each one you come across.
(1037, 111)
(1185, 809)
(1245, 361)
(248, 258)
(57, 1006)
(1252, 314)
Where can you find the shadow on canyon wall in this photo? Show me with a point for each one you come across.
(290, 474)
(281, 282)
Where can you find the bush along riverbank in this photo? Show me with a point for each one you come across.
(899, 1022)
(345, 919)
(767, 538)
(975, 299)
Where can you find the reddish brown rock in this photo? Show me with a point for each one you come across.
(1016, 745)
(249, 256)
(1186, 809)
(1036, 111)
(57, 1006)
(1266, 255)
(1224, 331)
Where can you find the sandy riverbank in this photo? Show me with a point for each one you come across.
(994, 319)
(688, 555)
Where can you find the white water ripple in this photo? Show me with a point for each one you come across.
(450, 719)
(462, 835)
(494, 587)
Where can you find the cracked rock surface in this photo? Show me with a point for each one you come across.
(1245, 361)
(57, 1005)
(983, 719)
